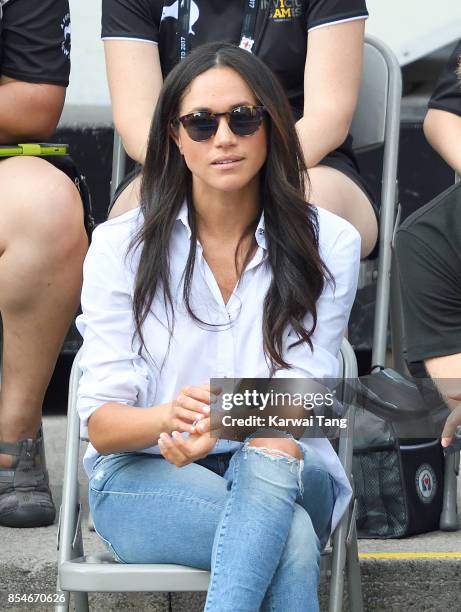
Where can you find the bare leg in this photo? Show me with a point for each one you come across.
(42, 246)
(334, 191)
(128, 199)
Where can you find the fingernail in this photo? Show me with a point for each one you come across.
(445, 442)
(176, 434)
(163, 436)
(206, 409)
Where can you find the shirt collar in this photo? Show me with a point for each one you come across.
(260, 233)
(183, 216)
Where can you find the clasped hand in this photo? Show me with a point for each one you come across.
(189, 412)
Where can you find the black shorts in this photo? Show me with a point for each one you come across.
(339, 160)
(428, 247)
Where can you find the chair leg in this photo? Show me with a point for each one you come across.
(396, 317)
(80, 598)
(62, 599)
(81, 601)
(354, 579)
(90, 522)
(337, 569)
(449, 516)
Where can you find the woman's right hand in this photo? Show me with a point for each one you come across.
(191, 405)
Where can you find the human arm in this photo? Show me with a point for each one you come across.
(115, 427)
(442, 124)
(130, 36)
(331, 83)
(34, 68)
(117, 391)
(28, 111)
(444, 372)
(443, 132)
(135, 79)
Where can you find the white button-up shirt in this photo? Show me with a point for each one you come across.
(113, 371)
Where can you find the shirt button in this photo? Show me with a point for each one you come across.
(261, 231)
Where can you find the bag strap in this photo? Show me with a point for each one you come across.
(248, 40)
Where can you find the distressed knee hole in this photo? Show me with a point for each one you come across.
(292, 448)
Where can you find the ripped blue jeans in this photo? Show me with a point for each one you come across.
(258, 519)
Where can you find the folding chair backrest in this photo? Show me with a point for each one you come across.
(118, 163)
(369, 123)
(377, 122)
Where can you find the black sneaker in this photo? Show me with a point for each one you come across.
(25, 496)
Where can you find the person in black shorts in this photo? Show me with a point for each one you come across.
(429, 253)
(321, 79)
(42, 246)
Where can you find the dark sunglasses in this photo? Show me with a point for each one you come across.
(202, 125)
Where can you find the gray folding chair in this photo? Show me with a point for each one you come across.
(376, 123)
(82, 574)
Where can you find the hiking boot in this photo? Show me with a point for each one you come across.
(25, 496)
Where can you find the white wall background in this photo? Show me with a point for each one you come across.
(412, 28)
(88, 83)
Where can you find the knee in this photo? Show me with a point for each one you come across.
(41, 204)
(61, 213)
(278, 446)
(302, 547)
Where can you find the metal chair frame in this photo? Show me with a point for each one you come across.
(376, 123)
(82, 574)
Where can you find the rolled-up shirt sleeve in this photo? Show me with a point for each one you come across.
(333, 310)
(112, 369)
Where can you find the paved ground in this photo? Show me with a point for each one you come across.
(424, 575)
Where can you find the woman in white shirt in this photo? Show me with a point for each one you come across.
(224, 271)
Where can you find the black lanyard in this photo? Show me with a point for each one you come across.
(183, 28)
(247, 35)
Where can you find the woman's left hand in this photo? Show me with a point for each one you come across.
(181, 451)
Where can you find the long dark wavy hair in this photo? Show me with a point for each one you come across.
(291, 227)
